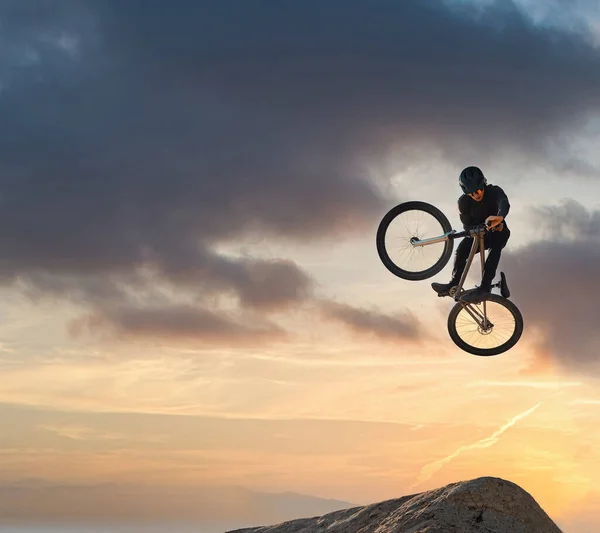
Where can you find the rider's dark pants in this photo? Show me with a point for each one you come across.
(494, 241)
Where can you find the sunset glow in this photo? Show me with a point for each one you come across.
(195, 325)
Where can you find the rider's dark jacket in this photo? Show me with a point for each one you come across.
(494, 202)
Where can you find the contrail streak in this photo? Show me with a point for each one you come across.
(428, 470)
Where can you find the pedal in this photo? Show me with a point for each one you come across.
(504, 291)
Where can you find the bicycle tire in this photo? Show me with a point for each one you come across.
(384, 255)
(505, 302)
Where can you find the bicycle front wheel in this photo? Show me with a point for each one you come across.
(413, 220)
(492, 333)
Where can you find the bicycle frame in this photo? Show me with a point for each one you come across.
(478, 243)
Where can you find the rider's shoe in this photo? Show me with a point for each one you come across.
(476, 295)
(443, 289)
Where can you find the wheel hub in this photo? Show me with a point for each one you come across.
(485, 330)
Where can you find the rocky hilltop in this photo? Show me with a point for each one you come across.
(481, 505)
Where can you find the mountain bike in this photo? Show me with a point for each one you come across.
(490, 327)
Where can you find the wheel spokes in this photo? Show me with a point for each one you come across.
(472, 332)
(414, 224)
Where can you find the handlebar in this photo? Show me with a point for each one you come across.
(480, 229)
(475, 231)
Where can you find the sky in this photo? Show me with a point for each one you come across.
(191, 297)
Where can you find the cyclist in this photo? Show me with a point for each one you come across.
(480, 203)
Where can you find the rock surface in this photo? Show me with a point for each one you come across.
(481, 505)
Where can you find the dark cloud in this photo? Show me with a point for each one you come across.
(554, 282)
(177, 322)
(402, 327)
(138, 139)
(265, 285)
(569, 221)
(258, 285)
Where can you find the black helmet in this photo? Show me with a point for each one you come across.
(471, 179)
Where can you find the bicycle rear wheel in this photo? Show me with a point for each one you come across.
(418, 220)
(501, 333)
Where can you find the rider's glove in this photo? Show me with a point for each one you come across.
(493, 220)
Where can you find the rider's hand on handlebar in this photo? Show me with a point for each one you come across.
(493, 221)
